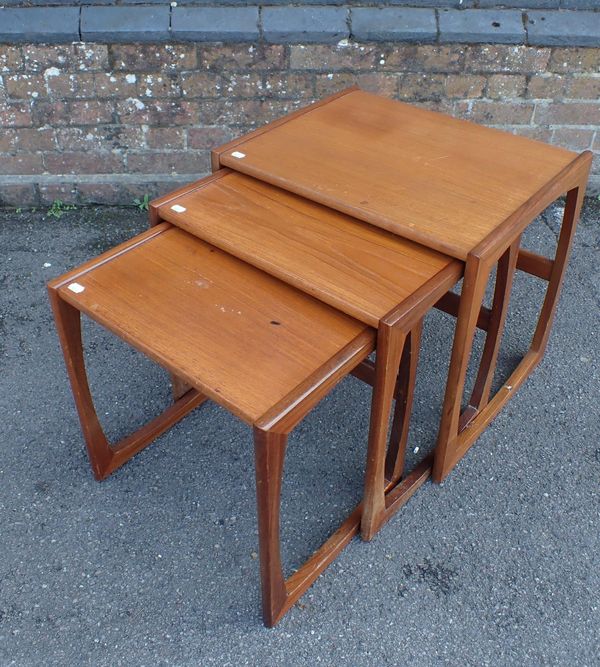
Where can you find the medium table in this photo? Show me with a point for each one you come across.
(379, 278)
(258, 346)
(454, 186)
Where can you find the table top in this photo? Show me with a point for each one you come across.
(426, 176)
(240, 336)
(360, 269)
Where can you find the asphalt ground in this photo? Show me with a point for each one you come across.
(500, 565)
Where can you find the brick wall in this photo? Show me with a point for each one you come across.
(94, 122)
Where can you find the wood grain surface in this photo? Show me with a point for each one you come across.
(238, 335)
(437, 180)
(356, 267)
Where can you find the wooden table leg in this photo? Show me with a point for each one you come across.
(476, 277)
(104, 457)
(565, 242)
(404, 393)
(386, 491)
(390, 344)
(457, 435)
(269, 453)
(280, 594)
(179, 387)
(487, 365)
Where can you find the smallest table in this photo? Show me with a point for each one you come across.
(263, 349)
(257, 347)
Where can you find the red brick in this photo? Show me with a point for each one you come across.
(574, 139)
(421, 86)
(571, 60)
(164, 162)
(153, 57)
(108, 85)
(25, 86)
(496, 113)
(78, 56)
(243, 85)
(100, 138)
(228, 112)
(92, 85)
(90, 56)
(76, 112)
(158, 112)
(40, 57)
(420, 59)
(439, 86)
(123, 137)
(8, 140)
(159, 85)
(546, 86)
(22, 163)
(241, 57)
(464, 86)
(165, 137)
(18, 195)
(292, 84)
(10, 59)
(202, 84)
(583, 87)
(568, 113)
(15, 114)
(61, 85)
(504, 58)
(78, 138)
(115, 84)
(27, 139)
(50, 113)
(110, 103)
(36, 139)
(322, 58)
(84, 163)
(246, 113)
(98, 85)
(502, 86)
(207, 138)
(90, 112)
(394, 58)
(375, 82)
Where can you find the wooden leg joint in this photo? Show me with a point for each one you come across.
(459, 432)
(104, 457)
(534, 264)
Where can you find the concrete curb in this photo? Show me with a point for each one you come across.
(315, 23)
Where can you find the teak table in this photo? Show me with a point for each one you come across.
(318, 239)
(377, 277)
(257, 345)
(259, 348)
(451, 185)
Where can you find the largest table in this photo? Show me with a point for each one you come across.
(466, 190)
